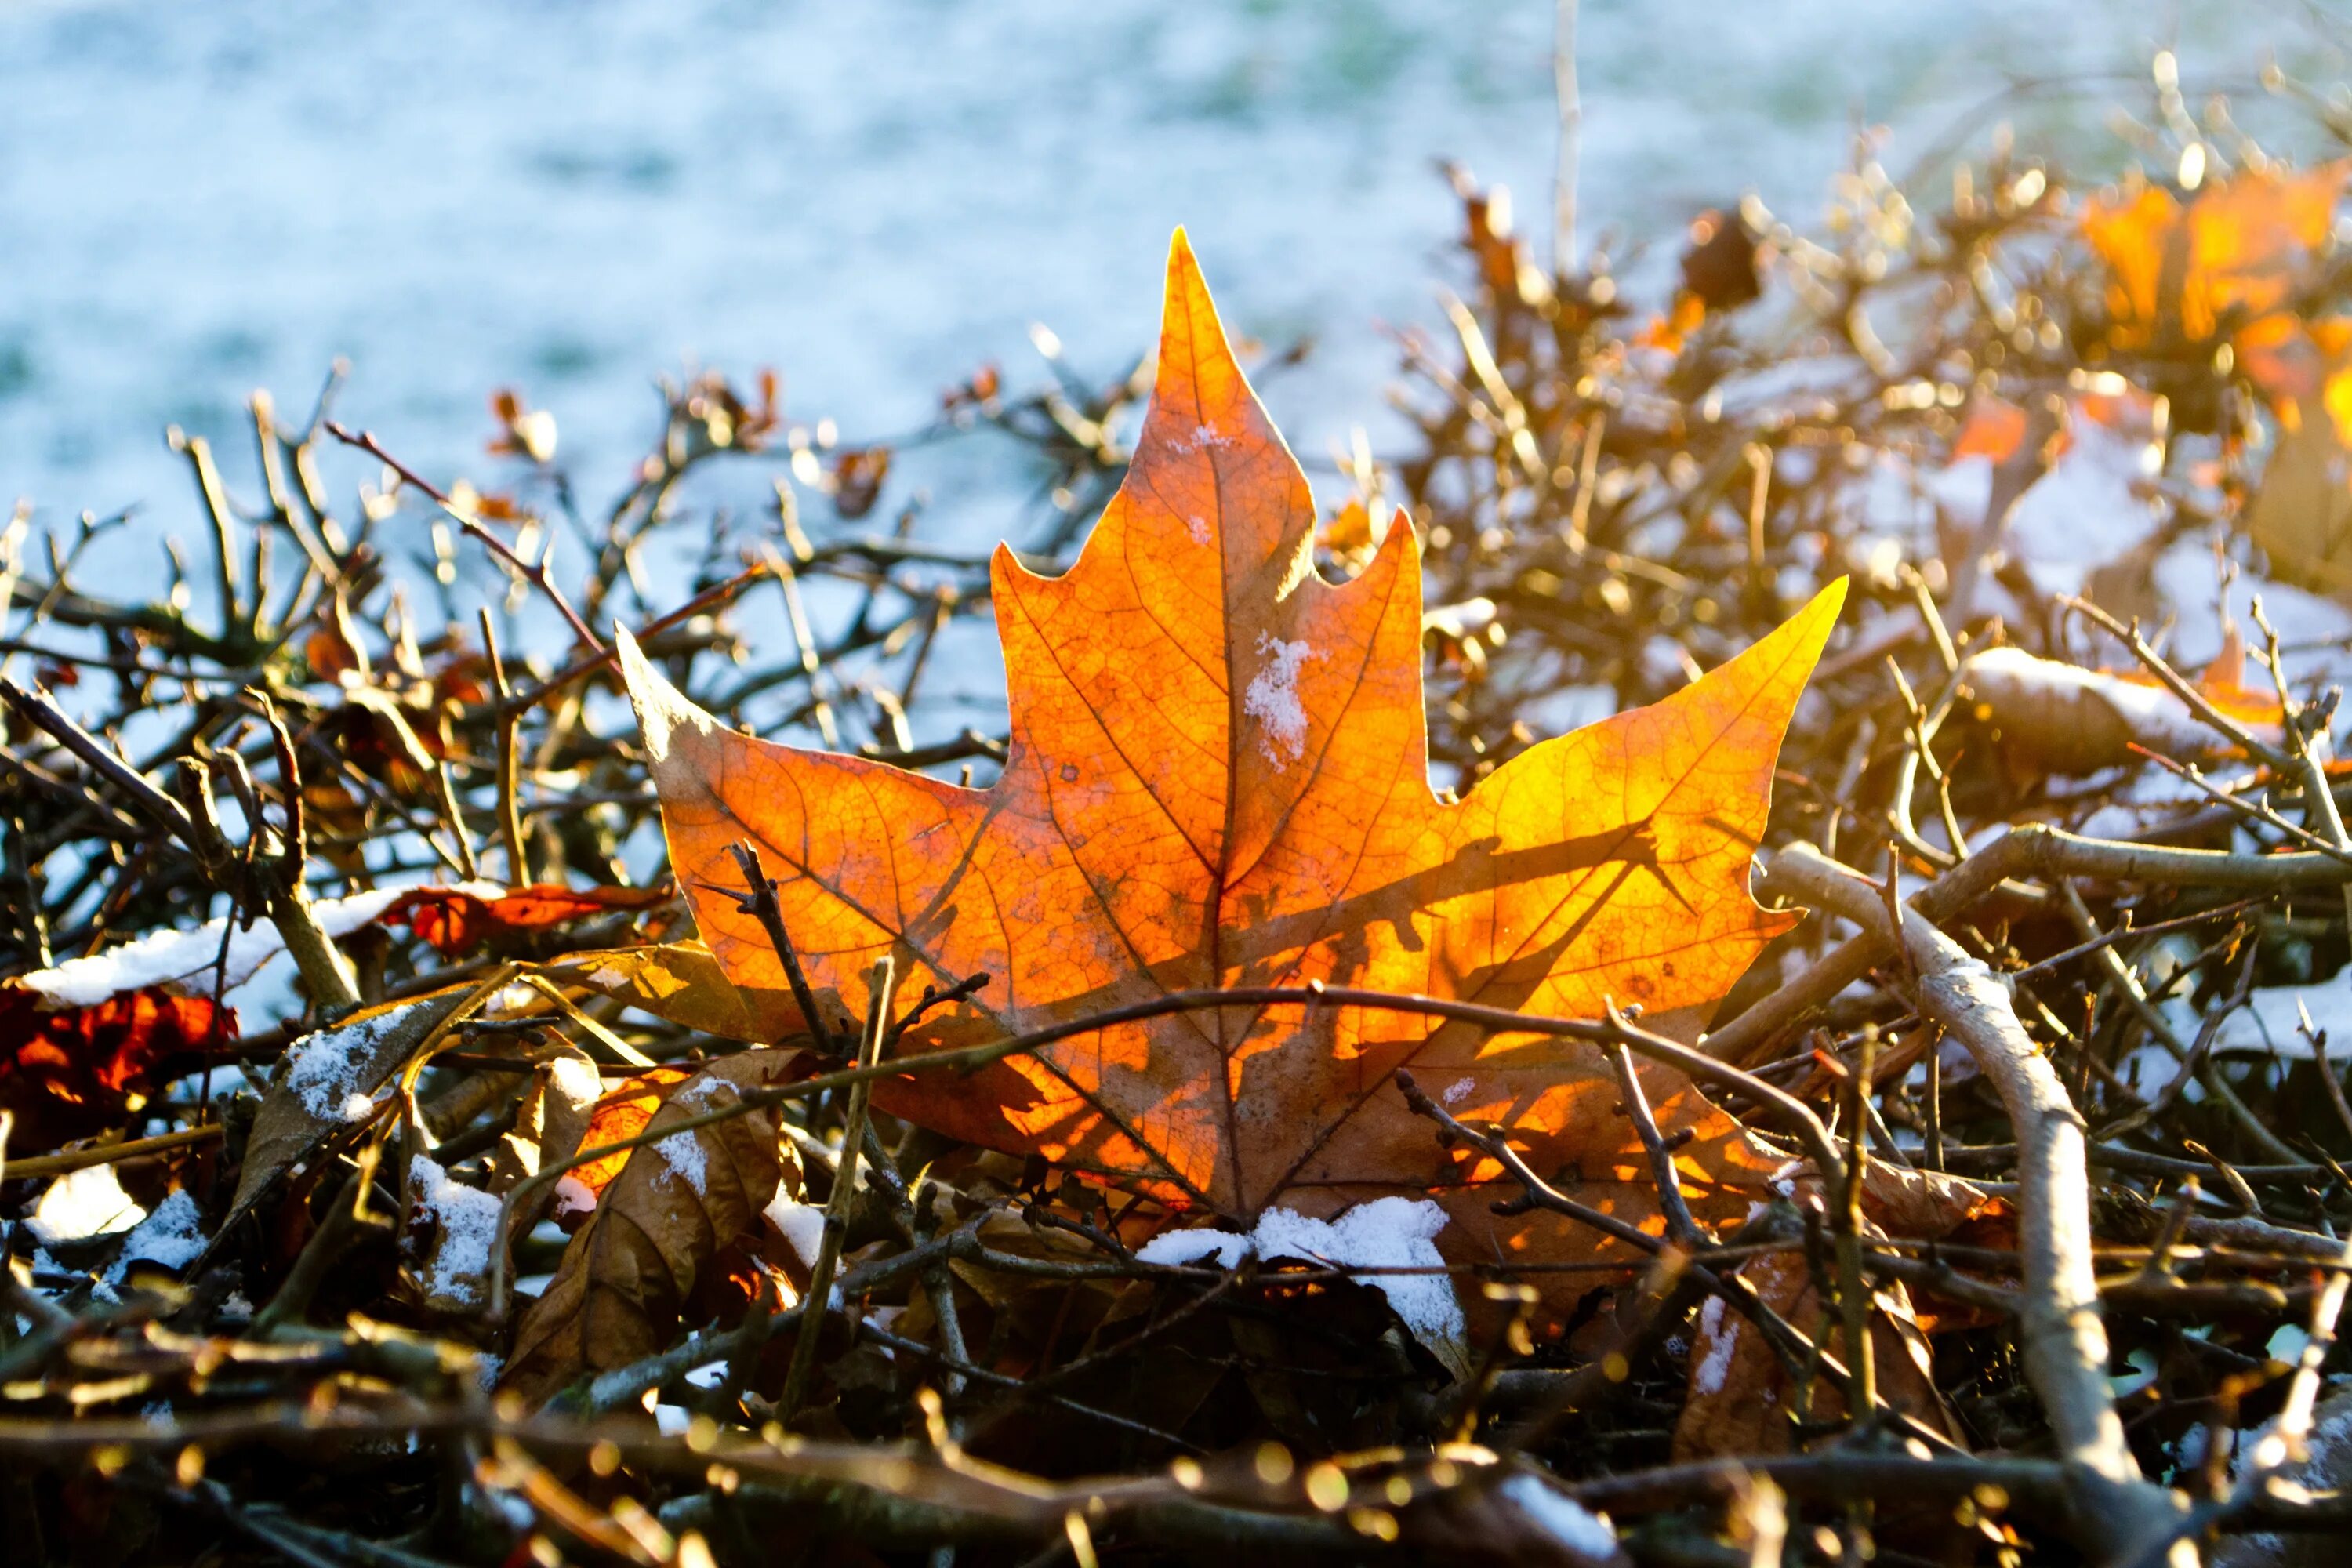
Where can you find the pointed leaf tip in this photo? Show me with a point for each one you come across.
(662, 709)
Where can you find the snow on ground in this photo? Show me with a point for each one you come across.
(874, 198)
(2271, 1020)
(1388, 1232)
(468, 1228)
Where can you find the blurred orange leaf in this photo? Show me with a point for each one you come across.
(2233, 255)
(1993, 429)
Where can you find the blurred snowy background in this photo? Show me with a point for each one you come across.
(875, 198)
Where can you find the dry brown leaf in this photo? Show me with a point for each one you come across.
(325, 1080)
(1922, 1206)
(676, 1207)
(680, 982)
(1218, 776)
(1741, 1398)
(2060, 718)
(550, 1127)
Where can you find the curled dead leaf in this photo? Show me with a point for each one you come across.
(1741, 1398)
(551, 1125)
(660, 1231)
(2061, 718)
(326, 1081)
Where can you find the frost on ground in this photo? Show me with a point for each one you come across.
(173, 1236)
(326, 1070)
(164, 955)
(1388, 1233)
(465, 1222)
(1585, 1533)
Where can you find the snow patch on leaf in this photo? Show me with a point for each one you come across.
(683, 1151)
(685, 1159)
(803, 1225)
(467, 1220)
(1273, 699)
(574, 1196)
(1711, 1372)
(171, 1236)
(323, 1070)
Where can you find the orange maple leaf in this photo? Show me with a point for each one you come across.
(1218, 776)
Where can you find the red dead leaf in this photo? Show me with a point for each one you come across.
(66, 1072)
(452, 919)
(1218, 776)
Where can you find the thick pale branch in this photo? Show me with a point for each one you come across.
(2064, 1342)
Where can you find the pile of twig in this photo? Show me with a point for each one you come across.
(991, 1374)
